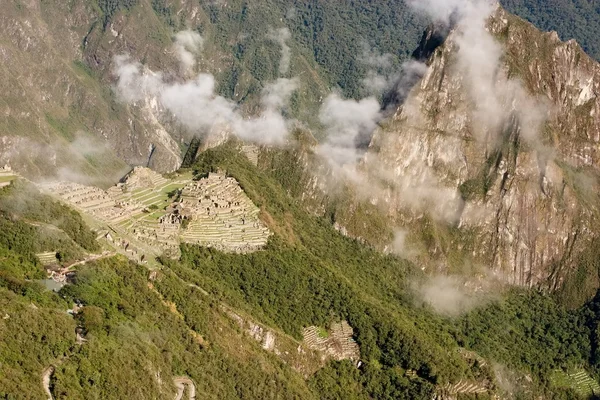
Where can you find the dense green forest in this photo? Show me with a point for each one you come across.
(140, 332)
(30, 223)
(572, 19)
(284, 286)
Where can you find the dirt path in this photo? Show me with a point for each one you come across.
(88, 258)
(46, 374)
(180, 383)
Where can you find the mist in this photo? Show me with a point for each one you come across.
(447, 295)
(349, 125)
(281, 36)
(194, 103)
(187, 46)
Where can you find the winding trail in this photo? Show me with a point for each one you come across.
(46, 374)
(90, 258)
(180, 383)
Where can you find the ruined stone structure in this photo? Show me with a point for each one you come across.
(464, 387)
(143, 178)
(96, 202)
(143, 217)
(338, 344)
(221, 215)
(47, 258)
(251, 152)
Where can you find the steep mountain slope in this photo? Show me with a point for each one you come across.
(487, 165)
(65, 114)
(490, 166)
(500, 168)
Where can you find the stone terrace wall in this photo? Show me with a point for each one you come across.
(222, 216)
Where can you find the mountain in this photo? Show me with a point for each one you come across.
(572, 19)
(285, 321)
(428, 231)
(64, 112)
(487, 167)
(537, 193)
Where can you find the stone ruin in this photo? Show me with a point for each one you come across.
(96, 202)
(462, 387)
(451, 391)
(221, 215)
(140, 222)
(251, 152)
(47, 258)
(143, 178)
(339, 343)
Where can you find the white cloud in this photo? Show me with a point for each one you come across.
(195, 104)
(281, 36)
(187, 46)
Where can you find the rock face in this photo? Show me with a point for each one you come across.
(515, 178)
(60, 115)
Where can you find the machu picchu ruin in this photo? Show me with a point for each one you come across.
(251, 152)
(221, 215)
(576, 379)
(47, 258)
(462, 387)
(147, 215)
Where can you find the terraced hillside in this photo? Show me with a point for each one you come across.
(148, 215)
(338, 342)
(577, 379)
(221, 215)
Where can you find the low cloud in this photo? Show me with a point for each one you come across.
(379, 77)
(415, 182)
(349, 125)
(291, 13)
(187, 46)
(401, 245)
(281, 36)
(447, 295)
(196, 105)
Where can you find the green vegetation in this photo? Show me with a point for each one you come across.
(110, 7)
(140, 333)
(311, 275)
(22, 200)
(32, 337)
(513, 331)
(32, 223)
(572, 19)
(577, 379)
(326, 28)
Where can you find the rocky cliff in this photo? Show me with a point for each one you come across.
(59, 116)
(496, 164)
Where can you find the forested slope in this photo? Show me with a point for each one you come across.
(572, 19)
(174, 323)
